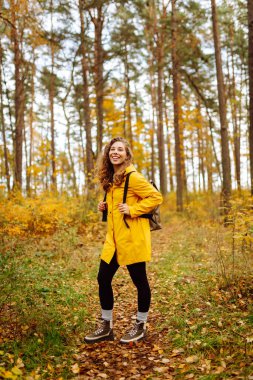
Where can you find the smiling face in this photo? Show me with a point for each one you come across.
(117, 154)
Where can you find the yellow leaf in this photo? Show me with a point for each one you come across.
(8, 375)
(50, 368)
(16, 371)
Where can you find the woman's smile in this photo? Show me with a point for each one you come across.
(117, 153)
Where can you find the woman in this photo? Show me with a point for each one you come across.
(124, 246)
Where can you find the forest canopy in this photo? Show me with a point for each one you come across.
(170, 76)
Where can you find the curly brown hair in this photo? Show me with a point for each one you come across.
(106, 174)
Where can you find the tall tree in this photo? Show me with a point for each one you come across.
(52, 94)
(3, 128)
(250, 52)
(226, 165)
(156, 28)
(16, 9)
(97, 18)
(86, 98)
(176, 105)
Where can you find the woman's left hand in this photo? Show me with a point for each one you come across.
(124, 208)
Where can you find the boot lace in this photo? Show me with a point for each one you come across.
(134, 330)
(100, 328)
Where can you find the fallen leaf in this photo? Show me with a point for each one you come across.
(75, 368)
(102, 375)
(192, 359)
(16, 371)
(160, 369)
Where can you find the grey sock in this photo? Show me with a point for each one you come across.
(107, 315)
(142, 317)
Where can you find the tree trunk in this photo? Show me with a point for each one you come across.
(51, 105)
(6, 158)
(19, 97)
(226, 165)
(72, 164)
(168, 143)
(128, 118)
(98, 73)
(201, 150)
(160, 128)
(86, 102)
(250, 47)
(151, 71)
(233, 105)
(176, 104)
(28, 173)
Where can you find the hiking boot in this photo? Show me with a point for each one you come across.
(138, 332)
(103, 332)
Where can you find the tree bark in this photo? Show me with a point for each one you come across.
(233, 105)
(250, 53)
(86, 102)
(151, 70)
(72, 164)
(176, 104)
(128, 118)
(98, 72)
(226, 165)
(168, 144)
(160, 127)
(6, 158)
(19, 97)
(31, 117)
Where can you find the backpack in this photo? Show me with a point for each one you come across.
(153, 216)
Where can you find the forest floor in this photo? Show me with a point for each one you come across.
(201, 318)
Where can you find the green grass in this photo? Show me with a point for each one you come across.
(201, 318)
(46, 296)
(48, 299)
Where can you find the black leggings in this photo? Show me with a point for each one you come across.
(138, 275)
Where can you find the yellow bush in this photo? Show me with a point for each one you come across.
(41, 215)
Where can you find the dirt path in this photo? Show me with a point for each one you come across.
(143, 360)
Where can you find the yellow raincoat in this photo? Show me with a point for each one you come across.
(132, 245)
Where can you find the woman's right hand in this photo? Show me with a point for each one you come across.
(102, 206)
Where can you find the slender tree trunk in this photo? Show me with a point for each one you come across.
(209, 160)
(86, 102)
(168, 143)
(98, 72)
(128, 127)
(160, 127)
(201, 149)
(72, 164)
(226, 165)
(233, 105)
(52, 126)
(51, 105)
(250, 52)
(31, 118)
(6, 158)
(19, 97)
(176, 103)
(192, 162)
(153, 102)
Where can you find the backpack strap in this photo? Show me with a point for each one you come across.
(104, 213)
(125, 195)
